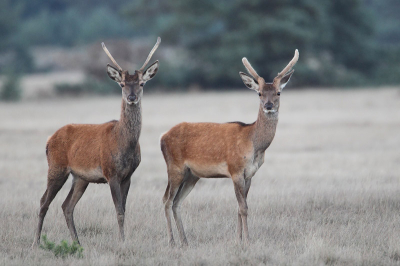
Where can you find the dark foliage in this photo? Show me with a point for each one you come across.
(335, 38)
(341, 42)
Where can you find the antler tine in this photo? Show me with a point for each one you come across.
(110, 56)
(249, 68)
(290, 65)
(151, 53)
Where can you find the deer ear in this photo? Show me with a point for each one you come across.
(285, 79)
(250, 82)
(150, 72)
(114, 74)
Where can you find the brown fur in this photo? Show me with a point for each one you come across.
(231, 150)
(184, 143)
(211, 150)
(69, 146)
(105, 153)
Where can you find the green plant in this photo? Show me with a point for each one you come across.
(63, 249)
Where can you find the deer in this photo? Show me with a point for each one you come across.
(99, 153)
(231, 150)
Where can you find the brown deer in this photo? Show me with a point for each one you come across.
(105, 153)
(232, 150)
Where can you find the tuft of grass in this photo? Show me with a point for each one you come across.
(395, 256)
(62, 250)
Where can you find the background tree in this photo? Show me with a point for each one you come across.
(18, 59)
(329, 34)
(341, 42)
(388, 39)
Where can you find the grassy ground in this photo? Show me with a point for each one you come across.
(328, 192)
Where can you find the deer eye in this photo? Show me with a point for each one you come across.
(278, 93)
(122, 85)
(259, 94)
(141, 84)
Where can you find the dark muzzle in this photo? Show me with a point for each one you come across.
(131, 98)
(269, 105)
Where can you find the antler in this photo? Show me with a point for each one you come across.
(151, 54)
(110, 56)
(290, 65)
(250, 69)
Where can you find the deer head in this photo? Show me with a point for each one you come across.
(269, 92)
(132, 85)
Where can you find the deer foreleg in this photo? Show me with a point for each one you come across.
(116, 194)
(240, 191)
(125, 185)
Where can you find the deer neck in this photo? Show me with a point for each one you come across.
(130, 123)
(264, 130)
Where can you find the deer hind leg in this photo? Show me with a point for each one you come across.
(55, 181)
(117, 197)
(184, 190)
(78, 188)
(166, 194)
(242, 187)
(43, 198)
(175, 179)
(239, 227)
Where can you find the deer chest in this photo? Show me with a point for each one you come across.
(125, 163)
(253, 164)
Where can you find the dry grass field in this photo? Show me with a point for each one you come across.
(328, 192)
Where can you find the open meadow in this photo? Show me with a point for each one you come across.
(328, 192)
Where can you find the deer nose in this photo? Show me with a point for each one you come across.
(131, 98)
(269, 105)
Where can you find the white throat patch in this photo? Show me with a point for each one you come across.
(269, 111)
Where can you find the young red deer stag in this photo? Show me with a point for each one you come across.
(231, 150)
(105, 153)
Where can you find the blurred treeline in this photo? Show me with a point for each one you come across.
(341, 42)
